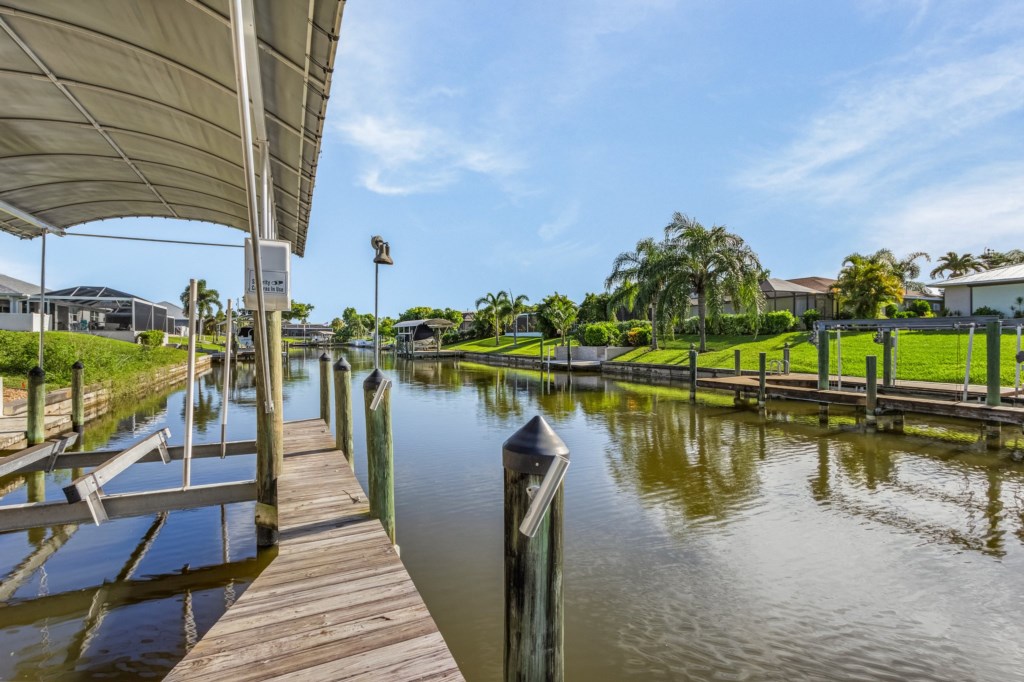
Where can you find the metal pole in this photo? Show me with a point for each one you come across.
(190, 387)
(839, 358)
(227, 383)
(42, 297)
(967, 370)
(871, 390)
(895, 355)
(1016, 367)
(376, 324)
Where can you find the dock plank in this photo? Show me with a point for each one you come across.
(336, 603)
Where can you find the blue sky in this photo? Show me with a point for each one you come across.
(523, 145)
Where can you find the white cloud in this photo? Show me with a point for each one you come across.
(566, 219)
(984, 208)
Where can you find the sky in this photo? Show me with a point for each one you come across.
(522, 146)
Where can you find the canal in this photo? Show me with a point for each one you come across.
(701, 543)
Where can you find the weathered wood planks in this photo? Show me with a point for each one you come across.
(336, 603)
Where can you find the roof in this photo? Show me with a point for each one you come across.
(1010, 273)
(10, 286)
(821, 285)
(433, 323)
(925, 292)
(173, 309)
(785, 286)
(117, 108)
(94, 293)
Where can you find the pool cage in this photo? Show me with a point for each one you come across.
(108, 310)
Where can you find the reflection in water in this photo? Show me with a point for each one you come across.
(702, 542)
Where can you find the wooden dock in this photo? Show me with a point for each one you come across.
(336, 603)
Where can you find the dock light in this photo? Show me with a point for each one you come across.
(381, 257)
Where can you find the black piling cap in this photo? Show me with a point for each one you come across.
(342, 365)
(325, 358)
(531, 449)
(78, 365)
(375, 379)
(36, 371)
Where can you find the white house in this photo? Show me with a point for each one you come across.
(999, 288)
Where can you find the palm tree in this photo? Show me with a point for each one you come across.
(515, 306)
(639, 280)
(493, 304)
(956, 265)
(866, 282)
(714, 265)
(561, 312)
(206, 301)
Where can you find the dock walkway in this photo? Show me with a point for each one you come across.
(336, 603)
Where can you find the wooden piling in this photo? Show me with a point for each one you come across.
(693, 375)
(36, 406)
(785, 358)
(823, 368)
(993, 435)
(993, 336)
(380, 457)
(823, 414)
(887, 359)
(533, 565)
(871, 392)
(325, 388)
(35, 484)
(77, 396)
(343, 410)
(762, 380)
(269, 433)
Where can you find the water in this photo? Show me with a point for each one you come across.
(701, 543)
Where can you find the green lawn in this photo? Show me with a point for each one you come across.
(204, 343)
(105, 360)
(922, 355)
(507, 346)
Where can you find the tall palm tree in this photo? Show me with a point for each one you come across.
(493, 304)
(206, 301)
(956, 265)
(714, 265)
(866, 282)
(516, 305)
(640, 280)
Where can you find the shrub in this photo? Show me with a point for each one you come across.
(639, 336)
(599, 334)
(810, 317)
(986, 310)
(153, 338)
(890, 310)
(904, 314)
(777, 321)
(921, 308)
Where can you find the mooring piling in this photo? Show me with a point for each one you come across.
(887, 359)
(535, 460)
(871, 390)
(823, 368)
(762, 371)
(785, 358)
(78, 396)
(343, 409)
(380, 457)
(693, 375)
(36, 430)
(993, 336)
(325, 388)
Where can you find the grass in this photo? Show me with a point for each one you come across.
(922, 355)
(106, 360)
(204, 343)
(506, 345)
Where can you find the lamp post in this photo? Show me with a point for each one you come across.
(381, 257)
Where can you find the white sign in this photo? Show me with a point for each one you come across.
(275, 259)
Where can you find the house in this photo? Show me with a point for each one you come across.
(811, 293)
(1001, 289)
(468, 317)
(933, 297)
(19, 305)
(311, 332)
(177, 320)
(104, 311)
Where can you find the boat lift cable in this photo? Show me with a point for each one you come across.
(153, 239)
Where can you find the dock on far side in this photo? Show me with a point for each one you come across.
(336, 603)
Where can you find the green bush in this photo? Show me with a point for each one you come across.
(921, 308)
(639, 336)
(777, 322)
(986, 310)
(809, 318)
(599, 334)
(904, 314)
(152, 338)
(890, 310)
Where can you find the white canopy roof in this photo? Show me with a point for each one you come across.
(115, 108)
(1010, 273)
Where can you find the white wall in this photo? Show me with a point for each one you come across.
(998, 296)
(958, 298)
(21, 322)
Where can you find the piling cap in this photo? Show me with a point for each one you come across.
(342, 365)
(78, 365)
(36, 371)
(375, 379)
(531, 449)
(325, 358)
